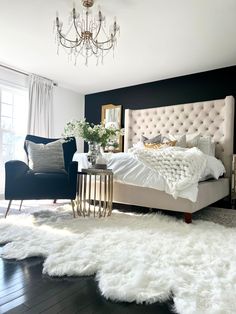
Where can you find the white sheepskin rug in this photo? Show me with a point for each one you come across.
(141, 258)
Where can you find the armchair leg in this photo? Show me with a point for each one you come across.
(73, 207)
(21, 202)
(8, 208)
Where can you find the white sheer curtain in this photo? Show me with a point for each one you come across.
(40, 106)
(13, 125)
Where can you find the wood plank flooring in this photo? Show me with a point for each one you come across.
(24, 289)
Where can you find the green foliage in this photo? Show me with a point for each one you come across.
(92, 133)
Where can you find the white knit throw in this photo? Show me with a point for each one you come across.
(180, 167)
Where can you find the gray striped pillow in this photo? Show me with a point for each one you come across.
(46, 157)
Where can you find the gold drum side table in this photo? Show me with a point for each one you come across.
(95, 185)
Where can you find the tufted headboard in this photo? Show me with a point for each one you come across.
(214, 118)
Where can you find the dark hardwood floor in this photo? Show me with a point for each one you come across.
(24, 289)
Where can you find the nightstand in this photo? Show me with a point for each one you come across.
(94, 192)
(233, 183)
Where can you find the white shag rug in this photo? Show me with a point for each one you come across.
(141, 258)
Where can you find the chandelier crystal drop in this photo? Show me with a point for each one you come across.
(86, 35)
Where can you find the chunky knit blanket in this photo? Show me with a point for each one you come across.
(180, 167)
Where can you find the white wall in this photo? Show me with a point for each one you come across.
(67, 105)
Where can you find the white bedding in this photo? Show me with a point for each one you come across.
(136, 169)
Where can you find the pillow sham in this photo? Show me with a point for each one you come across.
(159, 145)
(180, 139)
(46, 157)
(206, 145)
(155, 139)
(192, 140)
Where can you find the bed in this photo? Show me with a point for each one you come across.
(214, 118)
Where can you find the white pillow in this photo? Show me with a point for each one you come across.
(192, 139)
(46, 158)
(138, 145)
(214, 169)
(181, 139)
(206, 145)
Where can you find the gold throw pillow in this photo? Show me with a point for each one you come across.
(160, 145)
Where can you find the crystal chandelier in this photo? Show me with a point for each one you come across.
(86, 35)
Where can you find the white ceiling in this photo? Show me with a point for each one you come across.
(159, 39)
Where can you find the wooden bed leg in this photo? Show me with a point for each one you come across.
(188, 218)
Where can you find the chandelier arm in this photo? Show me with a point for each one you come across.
(62, 36)
(101, 48)
(99, 29)
(80, 51)
(97, 43)
(103, 42)
(94, 52)
(76, 45)
(106, 49)
(76, 29)
(107, 41)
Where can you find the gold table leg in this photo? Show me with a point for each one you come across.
(102, 193)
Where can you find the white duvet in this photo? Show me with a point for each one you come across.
(174, 170)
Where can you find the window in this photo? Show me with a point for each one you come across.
(13, 125)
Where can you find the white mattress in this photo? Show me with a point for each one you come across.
(131, 171)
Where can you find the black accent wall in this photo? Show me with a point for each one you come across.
(202, 86)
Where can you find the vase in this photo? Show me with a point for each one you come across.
(101, 162)
(93, 153)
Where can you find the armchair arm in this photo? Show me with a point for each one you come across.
(72, 171)
(15, 168)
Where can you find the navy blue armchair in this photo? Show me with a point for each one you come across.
(21, 183)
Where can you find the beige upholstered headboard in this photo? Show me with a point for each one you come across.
(215, 118)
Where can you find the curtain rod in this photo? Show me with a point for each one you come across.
(19, 71)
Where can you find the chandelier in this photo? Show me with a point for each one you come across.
(86, 35)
